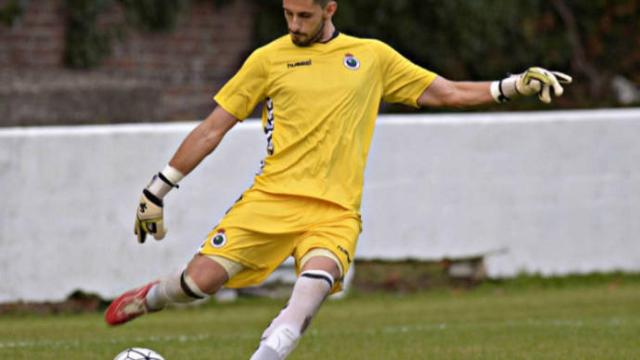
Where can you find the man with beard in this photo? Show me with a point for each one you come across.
(321, 92)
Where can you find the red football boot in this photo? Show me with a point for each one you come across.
(128, 306)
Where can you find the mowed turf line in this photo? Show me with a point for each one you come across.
(598, 321)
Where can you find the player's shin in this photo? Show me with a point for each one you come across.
(282, 335)
(174, 289)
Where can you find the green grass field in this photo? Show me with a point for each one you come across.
(546, 320)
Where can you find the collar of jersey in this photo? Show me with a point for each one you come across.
(333, 36)
(320, 43)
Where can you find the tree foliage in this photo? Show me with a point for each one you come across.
(10, 12)
(87, 44)
(592, 40)
(485, 39)
(154, 15)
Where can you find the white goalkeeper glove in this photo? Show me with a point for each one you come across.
(534, 80)
(149, 215)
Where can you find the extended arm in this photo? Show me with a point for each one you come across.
(456, 94)
(200, 142)
(459, 94)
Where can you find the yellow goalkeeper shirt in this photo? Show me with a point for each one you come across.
(320, 107)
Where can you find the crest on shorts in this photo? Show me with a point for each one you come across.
(219, 239)
(351, 62)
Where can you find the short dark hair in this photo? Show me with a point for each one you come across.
(323, 3)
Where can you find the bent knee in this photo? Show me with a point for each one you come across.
(207, 274)
(319, 259)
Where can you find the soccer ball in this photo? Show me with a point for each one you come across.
(138, 354)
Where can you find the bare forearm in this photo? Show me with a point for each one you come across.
(202, 141)
(195, 147)
(470, 94)
(457, 94)
(461, 94)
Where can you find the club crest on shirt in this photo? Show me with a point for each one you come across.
(351, 62)
(219, 239)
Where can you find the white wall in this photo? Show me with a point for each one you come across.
(552, 192)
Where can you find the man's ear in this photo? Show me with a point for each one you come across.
(331, 8)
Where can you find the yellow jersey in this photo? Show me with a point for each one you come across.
(320, 107)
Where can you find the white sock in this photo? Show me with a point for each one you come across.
(282, 335)
(173, 289)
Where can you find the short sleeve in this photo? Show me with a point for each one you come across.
(403, 81)
(246, 89)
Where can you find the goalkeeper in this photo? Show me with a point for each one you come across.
(321, 91)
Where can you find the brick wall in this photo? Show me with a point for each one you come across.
(36, 39)
(148, 76)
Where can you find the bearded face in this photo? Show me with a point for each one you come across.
(306, 20)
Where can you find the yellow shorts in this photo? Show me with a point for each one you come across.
(261, 230)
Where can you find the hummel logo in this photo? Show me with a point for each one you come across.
(299, 63)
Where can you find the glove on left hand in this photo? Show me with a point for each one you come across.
(534, 80)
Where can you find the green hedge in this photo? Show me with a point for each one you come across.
(485, 39)
(10, 12)
(592, 40)
(87, 45)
